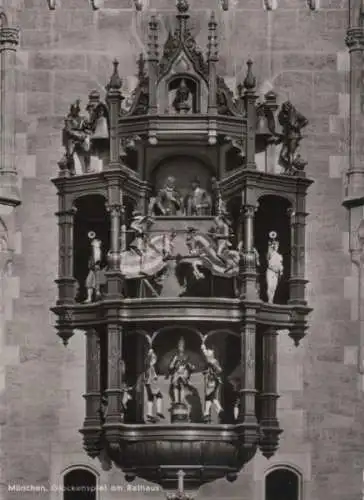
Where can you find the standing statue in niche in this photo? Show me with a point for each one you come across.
(154, 394)
(181, 101)
(93, 278)
(179, 371)
(213, 383)
(76, 140)
(198, 201)
(168, 200)
(274, 266)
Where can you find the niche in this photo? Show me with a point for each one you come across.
(272, 217)
(183, 93)
(91, 217)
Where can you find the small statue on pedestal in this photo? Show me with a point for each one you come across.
(198, 201)
(76, 140)
(274, 266)
(179, 371)
(168, 200)
(94, 265)
(154, 394)
(212, 383)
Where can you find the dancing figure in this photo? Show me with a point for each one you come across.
(213, 382)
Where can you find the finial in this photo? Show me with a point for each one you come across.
(115, 80)
(141, 67)
(212, 21)
(250, 80)
(182, 6)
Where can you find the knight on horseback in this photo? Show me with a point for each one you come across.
(140, 224)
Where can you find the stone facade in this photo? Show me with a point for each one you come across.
(65, 53)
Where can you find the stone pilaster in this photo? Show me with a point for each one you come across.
(9, 39)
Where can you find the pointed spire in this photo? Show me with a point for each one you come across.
(141, 67)
(250, 80)
(115, 82)
(153, 46)
(212, 46)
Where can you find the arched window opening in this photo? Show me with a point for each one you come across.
(91, 218)
(282, 483)
(272, 220)
(79, 484)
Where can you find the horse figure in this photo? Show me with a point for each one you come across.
(149, 262)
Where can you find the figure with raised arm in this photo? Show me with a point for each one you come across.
(213, 382)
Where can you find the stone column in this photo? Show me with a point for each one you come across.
(248, 271)
(66, 281)
(247, 414)
(115, 374)
(93, 390)
(250, 97)
(114, 207)
(114, 99)
(269, 422)
(297, 281)
(153, 57)
(212, 60)
(9, 39)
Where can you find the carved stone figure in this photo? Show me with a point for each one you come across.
(154, 394)
(76, 140)
(93, 278)
(212, 382)
(168, 200)
(275, 266)
(198, 201)
(292, 123)
(141, 224)
(222, 233)
(179, 371)
(181, 101)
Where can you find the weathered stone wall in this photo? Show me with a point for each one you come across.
(64, 54)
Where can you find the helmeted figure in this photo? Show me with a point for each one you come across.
(94, 265)
(179, 371)
(213, 382)
(168, 200)
(154, 394)
(222, 233)
(274, 266)
(198, 201)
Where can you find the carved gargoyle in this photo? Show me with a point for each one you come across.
(292, 123)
